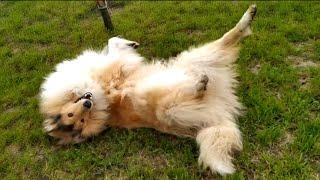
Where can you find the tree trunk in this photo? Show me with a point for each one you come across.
(103, 7)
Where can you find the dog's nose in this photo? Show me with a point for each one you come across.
(87, 104)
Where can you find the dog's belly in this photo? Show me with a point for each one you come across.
(123, 115)
(136, 122)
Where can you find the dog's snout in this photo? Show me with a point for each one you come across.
(87, 104)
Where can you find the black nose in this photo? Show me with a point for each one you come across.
(87, 104)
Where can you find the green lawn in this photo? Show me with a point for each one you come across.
(279, 69)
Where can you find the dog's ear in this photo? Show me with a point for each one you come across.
(50, 124)
(78, 139)
(64, 140)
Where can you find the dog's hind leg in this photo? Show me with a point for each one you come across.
(242, 29)
(201, 85)
(184, 104)
(217, 143)
(222, 51)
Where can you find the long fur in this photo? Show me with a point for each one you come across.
(192, 95)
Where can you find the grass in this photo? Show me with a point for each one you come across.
(279, 84)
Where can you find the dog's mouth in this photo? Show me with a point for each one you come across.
(87, 95)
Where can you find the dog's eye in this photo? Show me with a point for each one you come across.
(70, 114)
(82, 120)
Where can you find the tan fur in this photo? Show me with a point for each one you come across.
(192, 95)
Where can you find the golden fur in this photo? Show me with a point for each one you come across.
(192, 95)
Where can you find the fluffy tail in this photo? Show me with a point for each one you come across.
(217, 143)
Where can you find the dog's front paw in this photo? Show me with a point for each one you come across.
(134, 45)
(117, 44)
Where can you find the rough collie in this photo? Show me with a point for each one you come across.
(192, 94)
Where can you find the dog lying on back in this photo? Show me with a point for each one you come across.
(191, 95)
